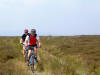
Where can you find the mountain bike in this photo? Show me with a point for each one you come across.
(31, 62)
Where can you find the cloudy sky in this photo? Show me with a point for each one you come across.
(50, 17)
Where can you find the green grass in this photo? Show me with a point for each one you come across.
(76, 55)
(10, 52)
(81, 54)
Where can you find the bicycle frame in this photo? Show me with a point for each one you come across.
(32, 57)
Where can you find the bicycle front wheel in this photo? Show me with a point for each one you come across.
(32, 63)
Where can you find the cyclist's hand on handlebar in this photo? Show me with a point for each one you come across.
(27, 46)
(39, 46)
(21, 43)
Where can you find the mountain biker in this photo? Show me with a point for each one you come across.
(31, 43)
(22, 40)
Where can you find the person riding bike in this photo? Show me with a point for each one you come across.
(22, 40)
(31, 43)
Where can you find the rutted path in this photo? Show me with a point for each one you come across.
(36, 72)
(28, 70)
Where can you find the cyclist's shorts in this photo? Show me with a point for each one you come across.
(32, 47)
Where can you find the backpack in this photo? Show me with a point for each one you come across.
(30, 35)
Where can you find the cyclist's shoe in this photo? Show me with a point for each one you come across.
(27, 62)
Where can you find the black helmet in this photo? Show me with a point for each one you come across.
(33, 31)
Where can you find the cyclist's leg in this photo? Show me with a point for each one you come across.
(36, 53)
(24, 50)
(35, 49)
(29, 53)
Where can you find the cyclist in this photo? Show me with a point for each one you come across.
(22, 40)
(31, 43)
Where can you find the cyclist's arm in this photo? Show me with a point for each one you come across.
(39, 42)
(21, 39)
(26, 41)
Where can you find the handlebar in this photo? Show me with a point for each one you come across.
(25, 46)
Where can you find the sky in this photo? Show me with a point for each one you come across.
(50, 17)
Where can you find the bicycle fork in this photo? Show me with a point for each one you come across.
(32, 59)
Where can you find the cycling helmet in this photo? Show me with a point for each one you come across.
(33, 31)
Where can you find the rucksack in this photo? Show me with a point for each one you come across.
(30, 35)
